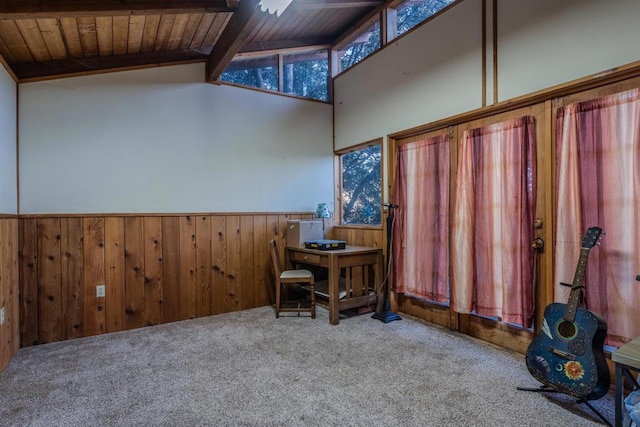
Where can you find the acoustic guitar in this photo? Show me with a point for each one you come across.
(567, 354)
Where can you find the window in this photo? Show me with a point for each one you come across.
(304, 73)
(361, 185)
(261, 73)
(362, 46)
(411, 13)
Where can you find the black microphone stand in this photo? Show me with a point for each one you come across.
(386, 315)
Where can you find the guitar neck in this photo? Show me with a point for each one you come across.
(576, 286)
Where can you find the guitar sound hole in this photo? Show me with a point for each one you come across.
(567, 330)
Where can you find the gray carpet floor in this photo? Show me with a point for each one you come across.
(250, 369)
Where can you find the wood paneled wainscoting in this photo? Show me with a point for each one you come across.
(93, 274)
(9, 298)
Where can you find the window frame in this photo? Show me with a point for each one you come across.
(281, 54)
(391, 17)
(338, 156)
(348, 42)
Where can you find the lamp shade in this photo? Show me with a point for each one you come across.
(274, 6)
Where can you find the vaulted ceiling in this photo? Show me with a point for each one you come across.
(49, 39)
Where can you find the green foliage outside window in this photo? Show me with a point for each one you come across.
(261, 73)
(304, 74)
(411, 13)
(362, 186)
(367, 43)
(307, 75)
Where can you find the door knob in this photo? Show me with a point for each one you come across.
(537, 243)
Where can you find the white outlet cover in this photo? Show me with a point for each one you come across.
(100, 291)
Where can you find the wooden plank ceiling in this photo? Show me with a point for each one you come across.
(49, 39)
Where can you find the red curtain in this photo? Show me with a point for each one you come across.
(421, 230)
(493, 218)
(598, 184)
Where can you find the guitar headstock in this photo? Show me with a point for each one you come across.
(592, 237)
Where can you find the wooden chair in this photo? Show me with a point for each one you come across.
(302, 278)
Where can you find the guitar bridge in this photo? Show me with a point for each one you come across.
(562, 354)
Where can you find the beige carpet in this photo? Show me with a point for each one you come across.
(250, 369)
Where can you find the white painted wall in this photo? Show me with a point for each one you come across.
(436, 71)
(162, 141)
(544, 43)
(8, 129)
(433, 72)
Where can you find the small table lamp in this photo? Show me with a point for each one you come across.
(323, 211)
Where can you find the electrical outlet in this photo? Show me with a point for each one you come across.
(2, 316)
(100, 291)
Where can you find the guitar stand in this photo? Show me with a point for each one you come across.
(546, 389)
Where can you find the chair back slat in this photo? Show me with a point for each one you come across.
(275, 260)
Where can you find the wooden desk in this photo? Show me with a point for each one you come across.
(351, 258)
(626, 359)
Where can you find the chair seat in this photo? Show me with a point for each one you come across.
(296, 274)
(302, 278)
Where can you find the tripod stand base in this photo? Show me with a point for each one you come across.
(547, 389)
(386, 315)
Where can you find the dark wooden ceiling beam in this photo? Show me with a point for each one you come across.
(25, 9)
(268, 45)
(234, 36)
(334, 4)
(99, 64)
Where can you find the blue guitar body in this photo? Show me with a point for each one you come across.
(568, 355)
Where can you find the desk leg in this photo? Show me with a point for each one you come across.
(619, 395)
(334, 297)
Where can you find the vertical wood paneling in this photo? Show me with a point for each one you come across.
(153, 270)
(171, 268)
(14, 241)
(72, 280)
(10, 330)
(6, 339)
(219, 263)
(273, 233)
(204, 270)
(248, 285)
(29, 297)
(260, 261)
(6, 346)
(114, 273)
(188, 285)
(94, 275)
(12, 279)
(49, 281)
(233, 276)
(134, 272)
